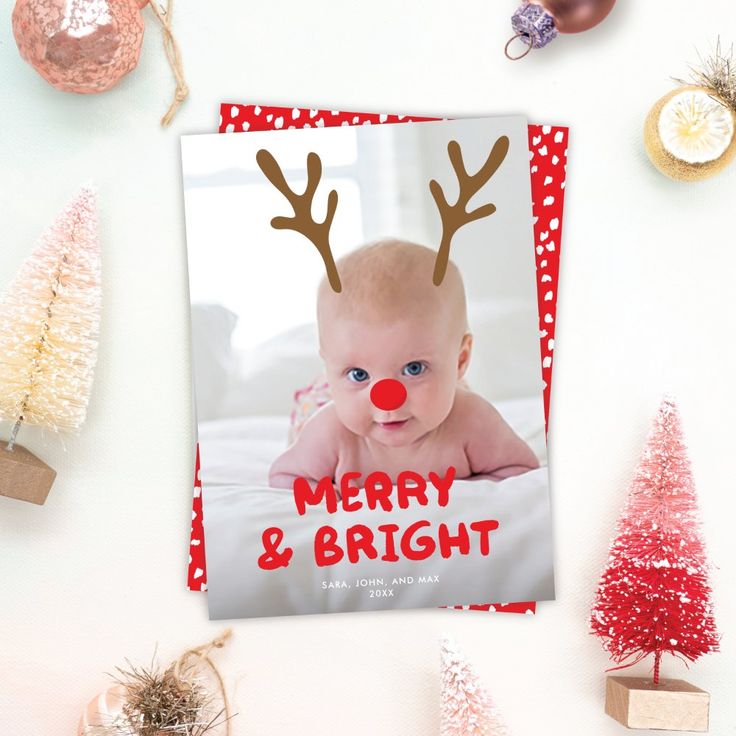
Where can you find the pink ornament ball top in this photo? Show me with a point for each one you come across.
(102, 710)
(79, 46)
(575, 16)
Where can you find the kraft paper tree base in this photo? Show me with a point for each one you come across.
(24, 476)
(672, 705)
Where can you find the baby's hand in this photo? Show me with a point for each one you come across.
(494, 450)
(314, 453)
(284, 480)
(508, 472)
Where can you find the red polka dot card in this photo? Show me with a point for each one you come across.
(332, 418)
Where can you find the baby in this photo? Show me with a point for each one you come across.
(391, 324)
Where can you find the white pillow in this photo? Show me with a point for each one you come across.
(213, 362)
(506, 361)
(268, 375)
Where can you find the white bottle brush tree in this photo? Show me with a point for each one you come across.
(49, 326)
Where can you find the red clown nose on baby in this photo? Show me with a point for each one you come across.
(388, 394)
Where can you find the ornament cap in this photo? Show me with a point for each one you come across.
(534, 25)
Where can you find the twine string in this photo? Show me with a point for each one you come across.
(201, 656)
(527, 42)
(173, 54)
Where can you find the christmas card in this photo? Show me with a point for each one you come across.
(548, 156)
(366, 360)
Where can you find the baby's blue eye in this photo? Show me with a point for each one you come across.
(415, 368)
(357, 375)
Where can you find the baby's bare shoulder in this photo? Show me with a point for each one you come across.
(314, 454)
(324, 418)
(324, 424)
(471, 412)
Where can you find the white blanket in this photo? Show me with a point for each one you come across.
(236, 455)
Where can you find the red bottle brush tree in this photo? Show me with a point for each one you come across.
(654, 595)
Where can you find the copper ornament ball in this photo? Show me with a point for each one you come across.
(575, 16)
(82, 46)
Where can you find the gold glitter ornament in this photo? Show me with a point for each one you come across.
(690, 133)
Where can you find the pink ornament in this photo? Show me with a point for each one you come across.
(537, 22)
(102, 710)
(80, 45)
(574, 16)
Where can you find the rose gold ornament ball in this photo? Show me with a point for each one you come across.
(80, 45)
(574, 16)
(102, 710)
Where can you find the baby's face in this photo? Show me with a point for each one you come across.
(426, 356)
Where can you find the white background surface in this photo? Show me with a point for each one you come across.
(97, 574)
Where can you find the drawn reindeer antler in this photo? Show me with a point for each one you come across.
(302, 221)
(455, 216)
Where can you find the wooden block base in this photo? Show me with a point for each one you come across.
(23, 475)
(672, 705)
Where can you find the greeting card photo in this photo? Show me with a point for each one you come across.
(365, 342)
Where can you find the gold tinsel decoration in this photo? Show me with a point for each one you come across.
(717, 73)
(174, 701)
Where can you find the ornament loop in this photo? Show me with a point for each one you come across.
(529, 46)
(173, 54)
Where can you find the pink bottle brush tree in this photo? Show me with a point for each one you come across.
(654, 596)
(466, 708)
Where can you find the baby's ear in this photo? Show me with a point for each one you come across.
(463, 358)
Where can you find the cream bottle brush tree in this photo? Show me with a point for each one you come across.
(49, 327)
